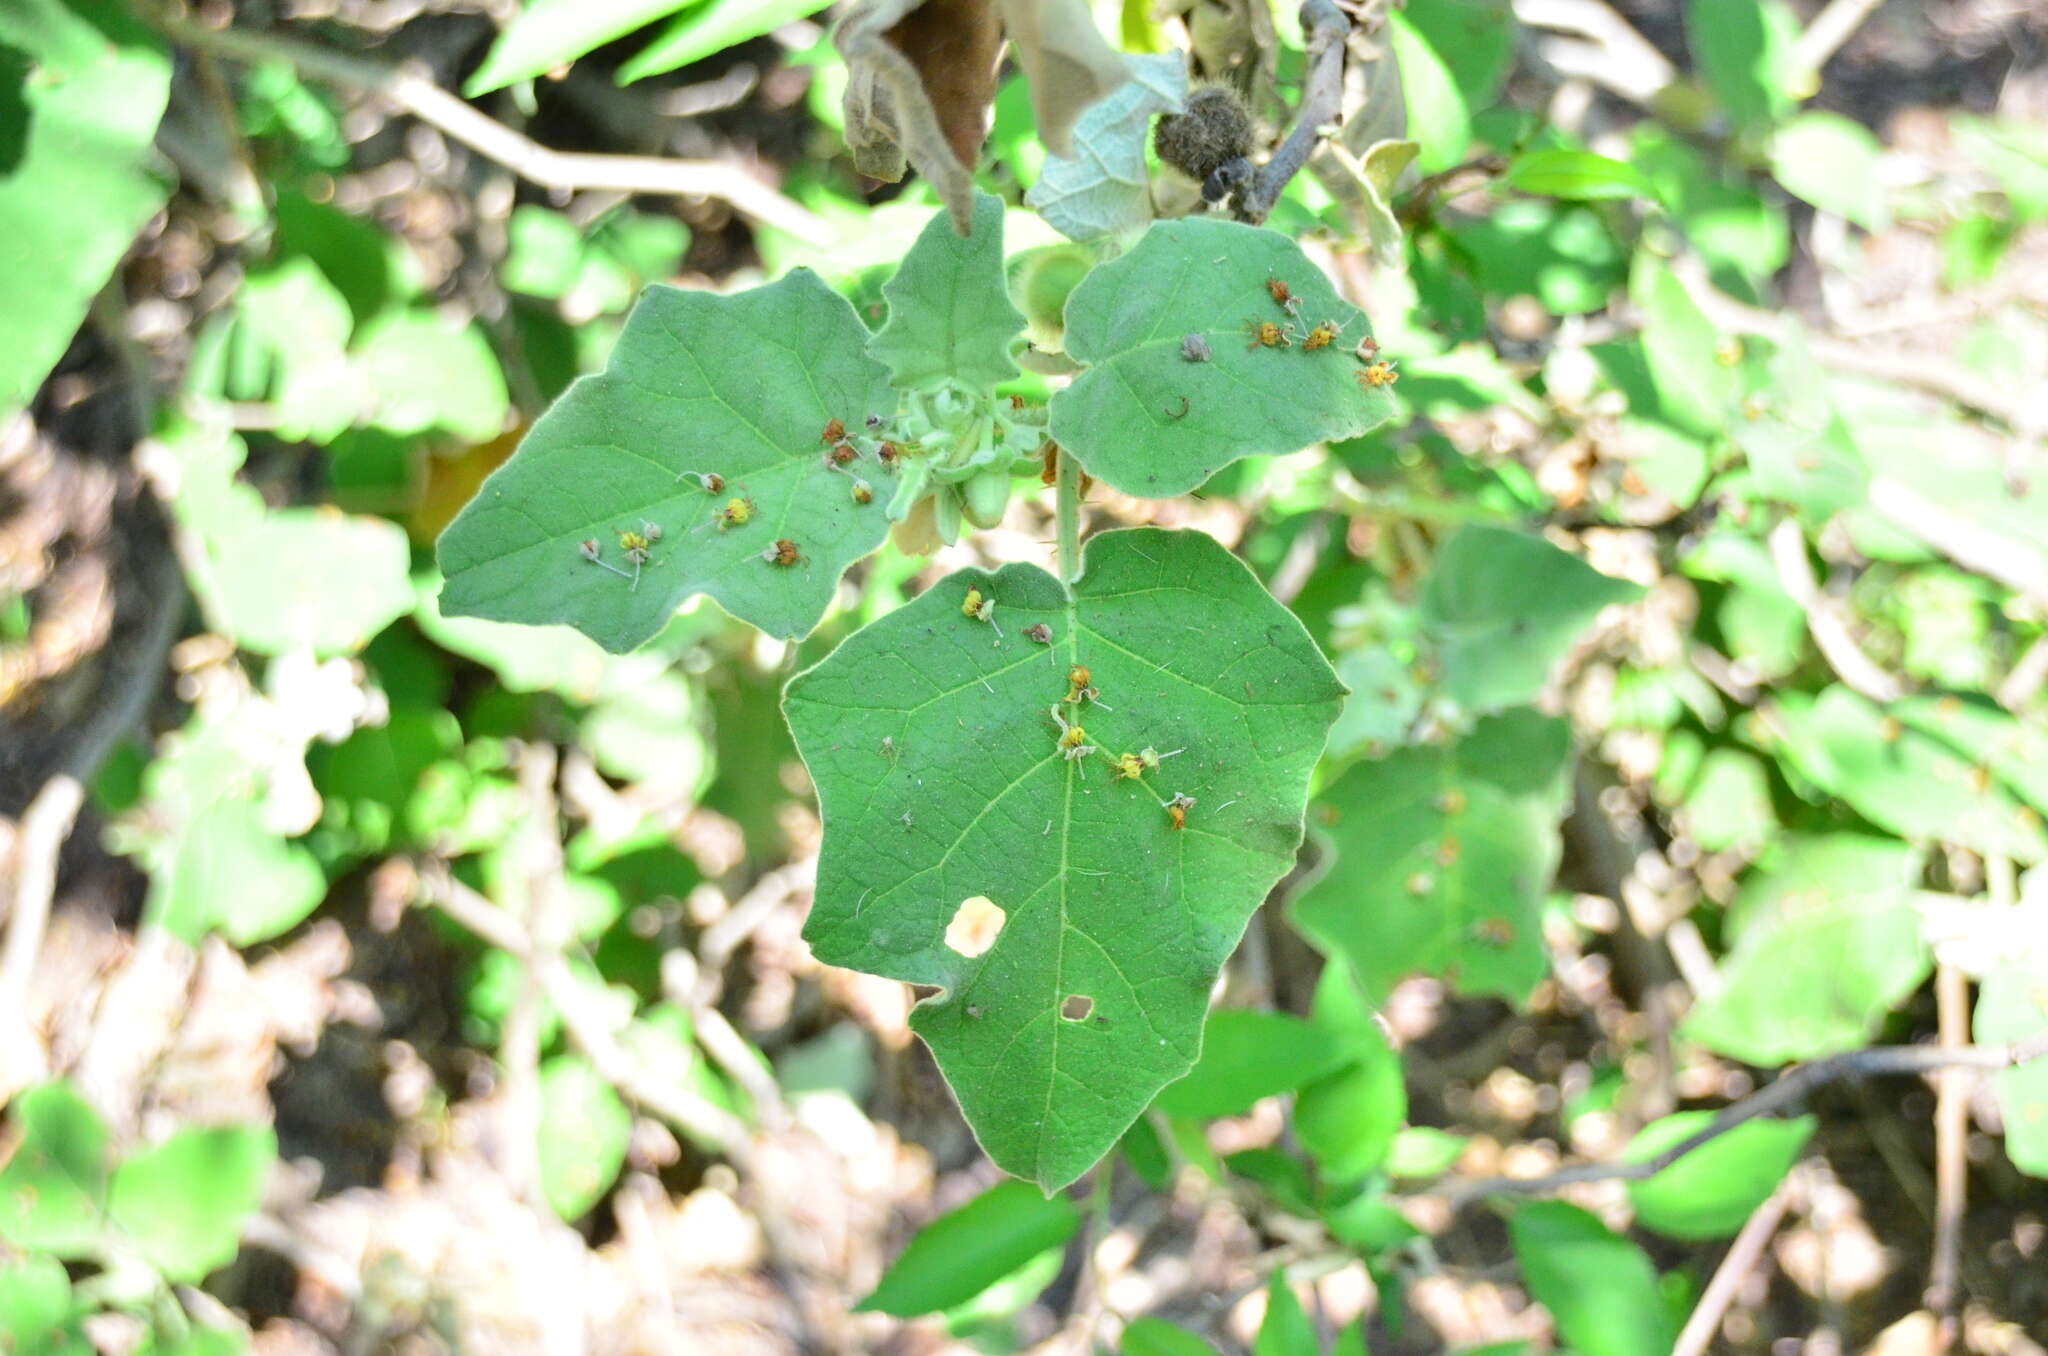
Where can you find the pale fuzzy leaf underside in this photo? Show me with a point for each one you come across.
(950, 315)
(1101, 187)
(1153, 421)
(739, 387)
(932, 745)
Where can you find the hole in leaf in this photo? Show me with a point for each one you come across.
(1077, 1007)
(975, 926)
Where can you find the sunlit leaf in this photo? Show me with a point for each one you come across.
(1100, 187)
(1153, 417)
(932, 743)
(1711, 1191)
(181, 1203)
(584, 1128)
(960, 1254)
(739, 387)
(1600, 1290)
(551, 33)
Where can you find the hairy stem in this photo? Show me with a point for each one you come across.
(1068, 511)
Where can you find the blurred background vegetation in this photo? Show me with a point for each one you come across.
(284, 282)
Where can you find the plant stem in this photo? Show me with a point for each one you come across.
(1068, 508)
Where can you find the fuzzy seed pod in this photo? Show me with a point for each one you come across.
(1215, 129)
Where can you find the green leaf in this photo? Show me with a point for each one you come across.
(1579, 176)
(963, 1252)
(1503, 606)
(735, 386)
(1474, 38)
(291, 320)
(1156, 1337)
(1600, 1290)
(1437, 114)
(2014, 752)
(1129, 319)
(584, 1129)
(1800, 870)
(950, 317)
(1100, 187)
(1443, 854)
(79, 181)
(1832, 163)
(1347, 1120)
(1922, 788)
(709, 26)
(420, 374)
(54, 1187)
(2012, 1005)
(1285, 1330)
(1696, 389)
(551, 33)
(1729, 802)
(36, 1308)
(1814, 981)
(1103, 900)
(1712, 1190)
(1798, 445)
(1743, 49)
(182, 1202)
(267, 577)
(1422, 1151)
(231, 873)
(1562, 253)
(1246, 1056)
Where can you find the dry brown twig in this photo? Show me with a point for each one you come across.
(569, 171)
(1826, 624)
(1700, 1326)
(1322, 104)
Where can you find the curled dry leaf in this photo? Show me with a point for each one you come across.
(920, 78)
(1066, 60)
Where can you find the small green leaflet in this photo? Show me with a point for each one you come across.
(1150, 420)
(949, 313)
(739, 387)
(934, 749)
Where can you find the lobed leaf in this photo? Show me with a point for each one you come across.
(931, 741)
(1151, 422)
(738, 386)
(950, 316)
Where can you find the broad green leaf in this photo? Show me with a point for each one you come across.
(1729, 802)
(1798, 445)
(708, 26)
(932, 743)
(960, 1254)
(36, 1308)
(1100, 187)
(584, 1128)
(740, 387)
(2012, 1005)
(266, 577)
(294, 323)
(1579, 176)
(2012, 751)
(1442, 856)
(229, 873)
(2015, 152)
(1600, 1290)
(1474, 38)
(1156, 1337)
(950, 317)
(1743, 49)
(53, 1189)
(1903, 779)
(551, 33)
(77, 174)
(1247, 1055)
(1712, 1190)
(1696, 388)
(181, 1203)
(196, 1340)
(1438, 117)
(1347, 1120)
(422, 375)
(1561, 253)
(1832, 163)
(1743, 239)
(1285, 1331)
(1503, 606)
(1149, 420)
(1815, 981)
(1799, 871)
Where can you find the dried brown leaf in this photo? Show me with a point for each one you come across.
(1066, 60)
